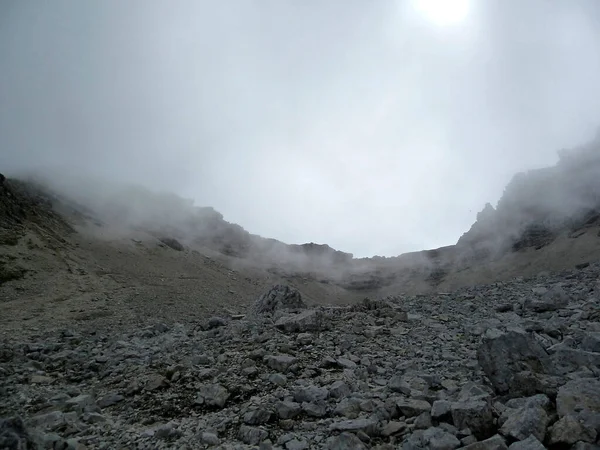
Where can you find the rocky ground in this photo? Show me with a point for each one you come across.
(508, 365)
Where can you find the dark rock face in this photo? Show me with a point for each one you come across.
(172, 243)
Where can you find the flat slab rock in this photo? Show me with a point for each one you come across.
(310, 320)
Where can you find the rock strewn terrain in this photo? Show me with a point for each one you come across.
(145, 343)
(508, 365)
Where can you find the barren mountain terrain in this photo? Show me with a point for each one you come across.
(137, 320)
(136, 255)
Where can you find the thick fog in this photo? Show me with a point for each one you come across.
(375, 127)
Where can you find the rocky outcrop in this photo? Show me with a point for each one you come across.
(25, 208)
(280, 297)
(24, 204)
(172, 243)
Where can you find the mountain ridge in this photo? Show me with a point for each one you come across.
(62, 241)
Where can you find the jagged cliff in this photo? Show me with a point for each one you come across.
(537, 208)
(540, 204)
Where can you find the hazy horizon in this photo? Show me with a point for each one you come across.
(378, 128)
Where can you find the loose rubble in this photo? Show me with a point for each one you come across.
(509, 365)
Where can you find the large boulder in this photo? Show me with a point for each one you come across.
(279, 297)
(502, 356)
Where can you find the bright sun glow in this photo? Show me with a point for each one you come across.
(443, 12)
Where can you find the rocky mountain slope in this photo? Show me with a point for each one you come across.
(136, 320)
(62, 263)
(547, 219)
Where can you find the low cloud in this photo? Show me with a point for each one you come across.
(356, 124)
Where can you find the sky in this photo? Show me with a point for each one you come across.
(377, 127)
